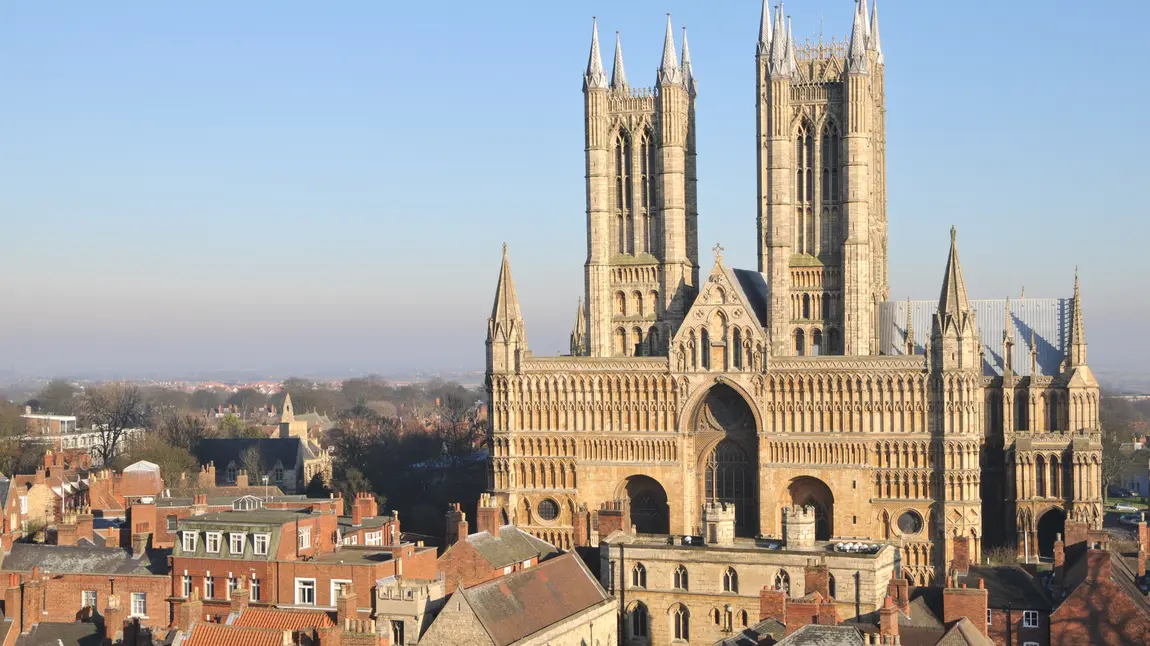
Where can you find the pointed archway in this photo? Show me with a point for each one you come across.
(807, 490)
(725, 433)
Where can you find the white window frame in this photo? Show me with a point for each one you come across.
(209, 586)
(187, 586)
(1030, 619)
(303, 538)
(142, 599)
(254, 588)
(23, 504)
(373, 538)
(266, 539)
(988, 616)
(84, 599)
(190, 547)
(507, 570)
(335, 583)
(1030, 644)
(298, 589)
(218, 537)
(232, 542)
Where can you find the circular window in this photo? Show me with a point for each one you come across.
(548, 509)
(910, 522)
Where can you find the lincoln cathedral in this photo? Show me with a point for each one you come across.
(797, 383)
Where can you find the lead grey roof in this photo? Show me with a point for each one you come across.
(820, 635)
(1047, 318)
(757, 634)
(77, 559)
(5, 483)
(754, 286)
(511, 546)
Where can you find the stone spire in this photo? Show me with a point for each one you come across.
(1076, 353)
(579, 332)
(288, 413)
(688, 74)
(618, 75)
(778, 50)
(909, 330)
(506, 319)
(953, 301)
(792, 63)
(669, 69)
(764, 46)
(595, 78)
(856, 56)
(875, 42)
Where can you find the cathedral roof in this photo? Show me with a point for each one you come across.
(1047, 318)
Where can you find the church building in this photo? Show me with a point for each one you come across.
(799, 382)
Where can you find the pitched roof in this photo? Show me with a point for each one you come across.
(757, 634)
(963, 633)
(82, 559)
(253, 617)
(222, 635)
(525, 602)
(141, 479)
(56, 633)
(225, 450)
(820, 635)
(513, 545)
(1008, 585)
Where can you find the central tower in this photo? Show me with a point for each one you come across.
(822, 186)
(642, 239)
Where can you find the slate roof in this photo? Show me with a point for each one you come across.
(525, 602)
(1008, 584)
(513, 545)
(757, 634)
(755, 292)
(5, 483)
(288, 451)
(81, 559)
(819, 635)
(1047, 318)
(54, 634)
(963, 633)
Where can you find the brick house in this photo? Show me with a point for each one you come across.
(161, 516)
(288, 558)
(1017, 608)
(491, 552)
(64, 583)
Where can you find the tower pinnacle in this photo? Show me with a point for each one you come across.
(688, 74)
(669, 69)
(594, 78)
(1076, 355)
(618, 75)
(579, 332)
(506, 318)
(778, 50)
(953, 300)
(875, 42)
(909, 330)
(856, 57)
(764, 30)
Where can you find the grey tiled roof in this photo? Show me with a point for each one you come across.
(757, 634)
(77, 559)
(512, 546)
(818, 635)
(1047, 318)
(54, 634)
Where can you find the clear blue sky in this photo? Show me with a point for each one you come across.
(301, 186)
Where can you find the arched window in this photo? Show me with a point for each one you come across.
(737, 348)
(800, 343)
(716, 618)
(652, 341)
(620, 341)
(783, 582)
(680, 581)
(639, 576)
(705, 348)
(681, 622)
(744, 619)
(637, 341)
(806, 306)
(647, 182)
(730, 580)
(620, 303)
(639, 620)
(831, 584)
(830, 159)
(637, 303)
(833, 342)
(653, 299)
(624, 206)
(816, 343)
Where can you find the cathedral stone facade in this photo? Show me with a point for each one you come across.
(798, 383)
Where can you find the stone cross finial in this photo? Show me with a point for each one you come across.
(718, 249)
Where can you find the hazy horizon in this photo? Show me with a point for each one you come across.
(325, 188)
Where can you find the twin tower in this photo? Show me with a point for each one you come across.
(821, 233)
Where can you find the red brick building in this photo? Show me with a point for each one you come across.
(491, 552)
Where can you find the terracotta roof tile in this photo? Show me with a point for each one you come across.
(282, 619)
(221, 635)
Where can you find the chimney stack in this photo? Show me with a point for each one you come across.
(456, 525)
(240, 596)
(965, 602)
(487, 515)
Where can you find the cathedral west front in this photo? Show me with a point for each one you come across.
(797, 383)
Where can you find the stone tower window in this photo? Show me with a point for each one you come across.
(705, 348)
(783, 582)
(652, 341)
(623, 193)
(681, 622)
(680, 581)
(639, 620)
(620, 341)
(647, 184)
(816, 343)
(639, 576)
(800, 343)
(730, 580)
(737, 347)
(620, 303)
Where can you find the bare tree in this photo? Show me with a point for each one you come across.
(253, 462)
(181, 429)
(458, 427)
(112, 410)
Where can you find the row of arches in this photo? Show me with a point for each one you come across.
(814, 306)
(634, 343)
(719, 347)
(636, 305)
(534, 447)
(1051, 475)
(555, 403)
(845, 403)
(812, 236)
(535, 474)
(797, 452)
(903, 484)
(632, 194)
(630, 450)
(1041, 409)
(815, 277)
(811, 342)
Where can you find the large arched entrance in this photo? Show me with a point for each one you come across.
(647, 502)
(806, 490)
(1050, 524)
(728, 455)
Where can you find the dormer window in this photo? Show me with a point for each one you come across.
(212, 542)
(237, 543)
(189, 541)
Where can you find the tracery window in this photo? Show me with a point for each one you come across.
(730, 580)
(623, 199)
(639, 576)
(730, 477)
(680, 581)
(681, 622)
(783, 582)
(639, 621)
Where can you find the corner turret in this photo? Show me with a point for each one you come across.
(955, 338)
(506, 337)
(594, 78)
(618, 74)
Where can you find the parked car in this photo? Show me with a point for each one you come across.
(1118, 492)
(1125, 506)
(1130, 519)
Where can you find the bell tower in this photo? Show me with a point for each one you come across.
(821, 184)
